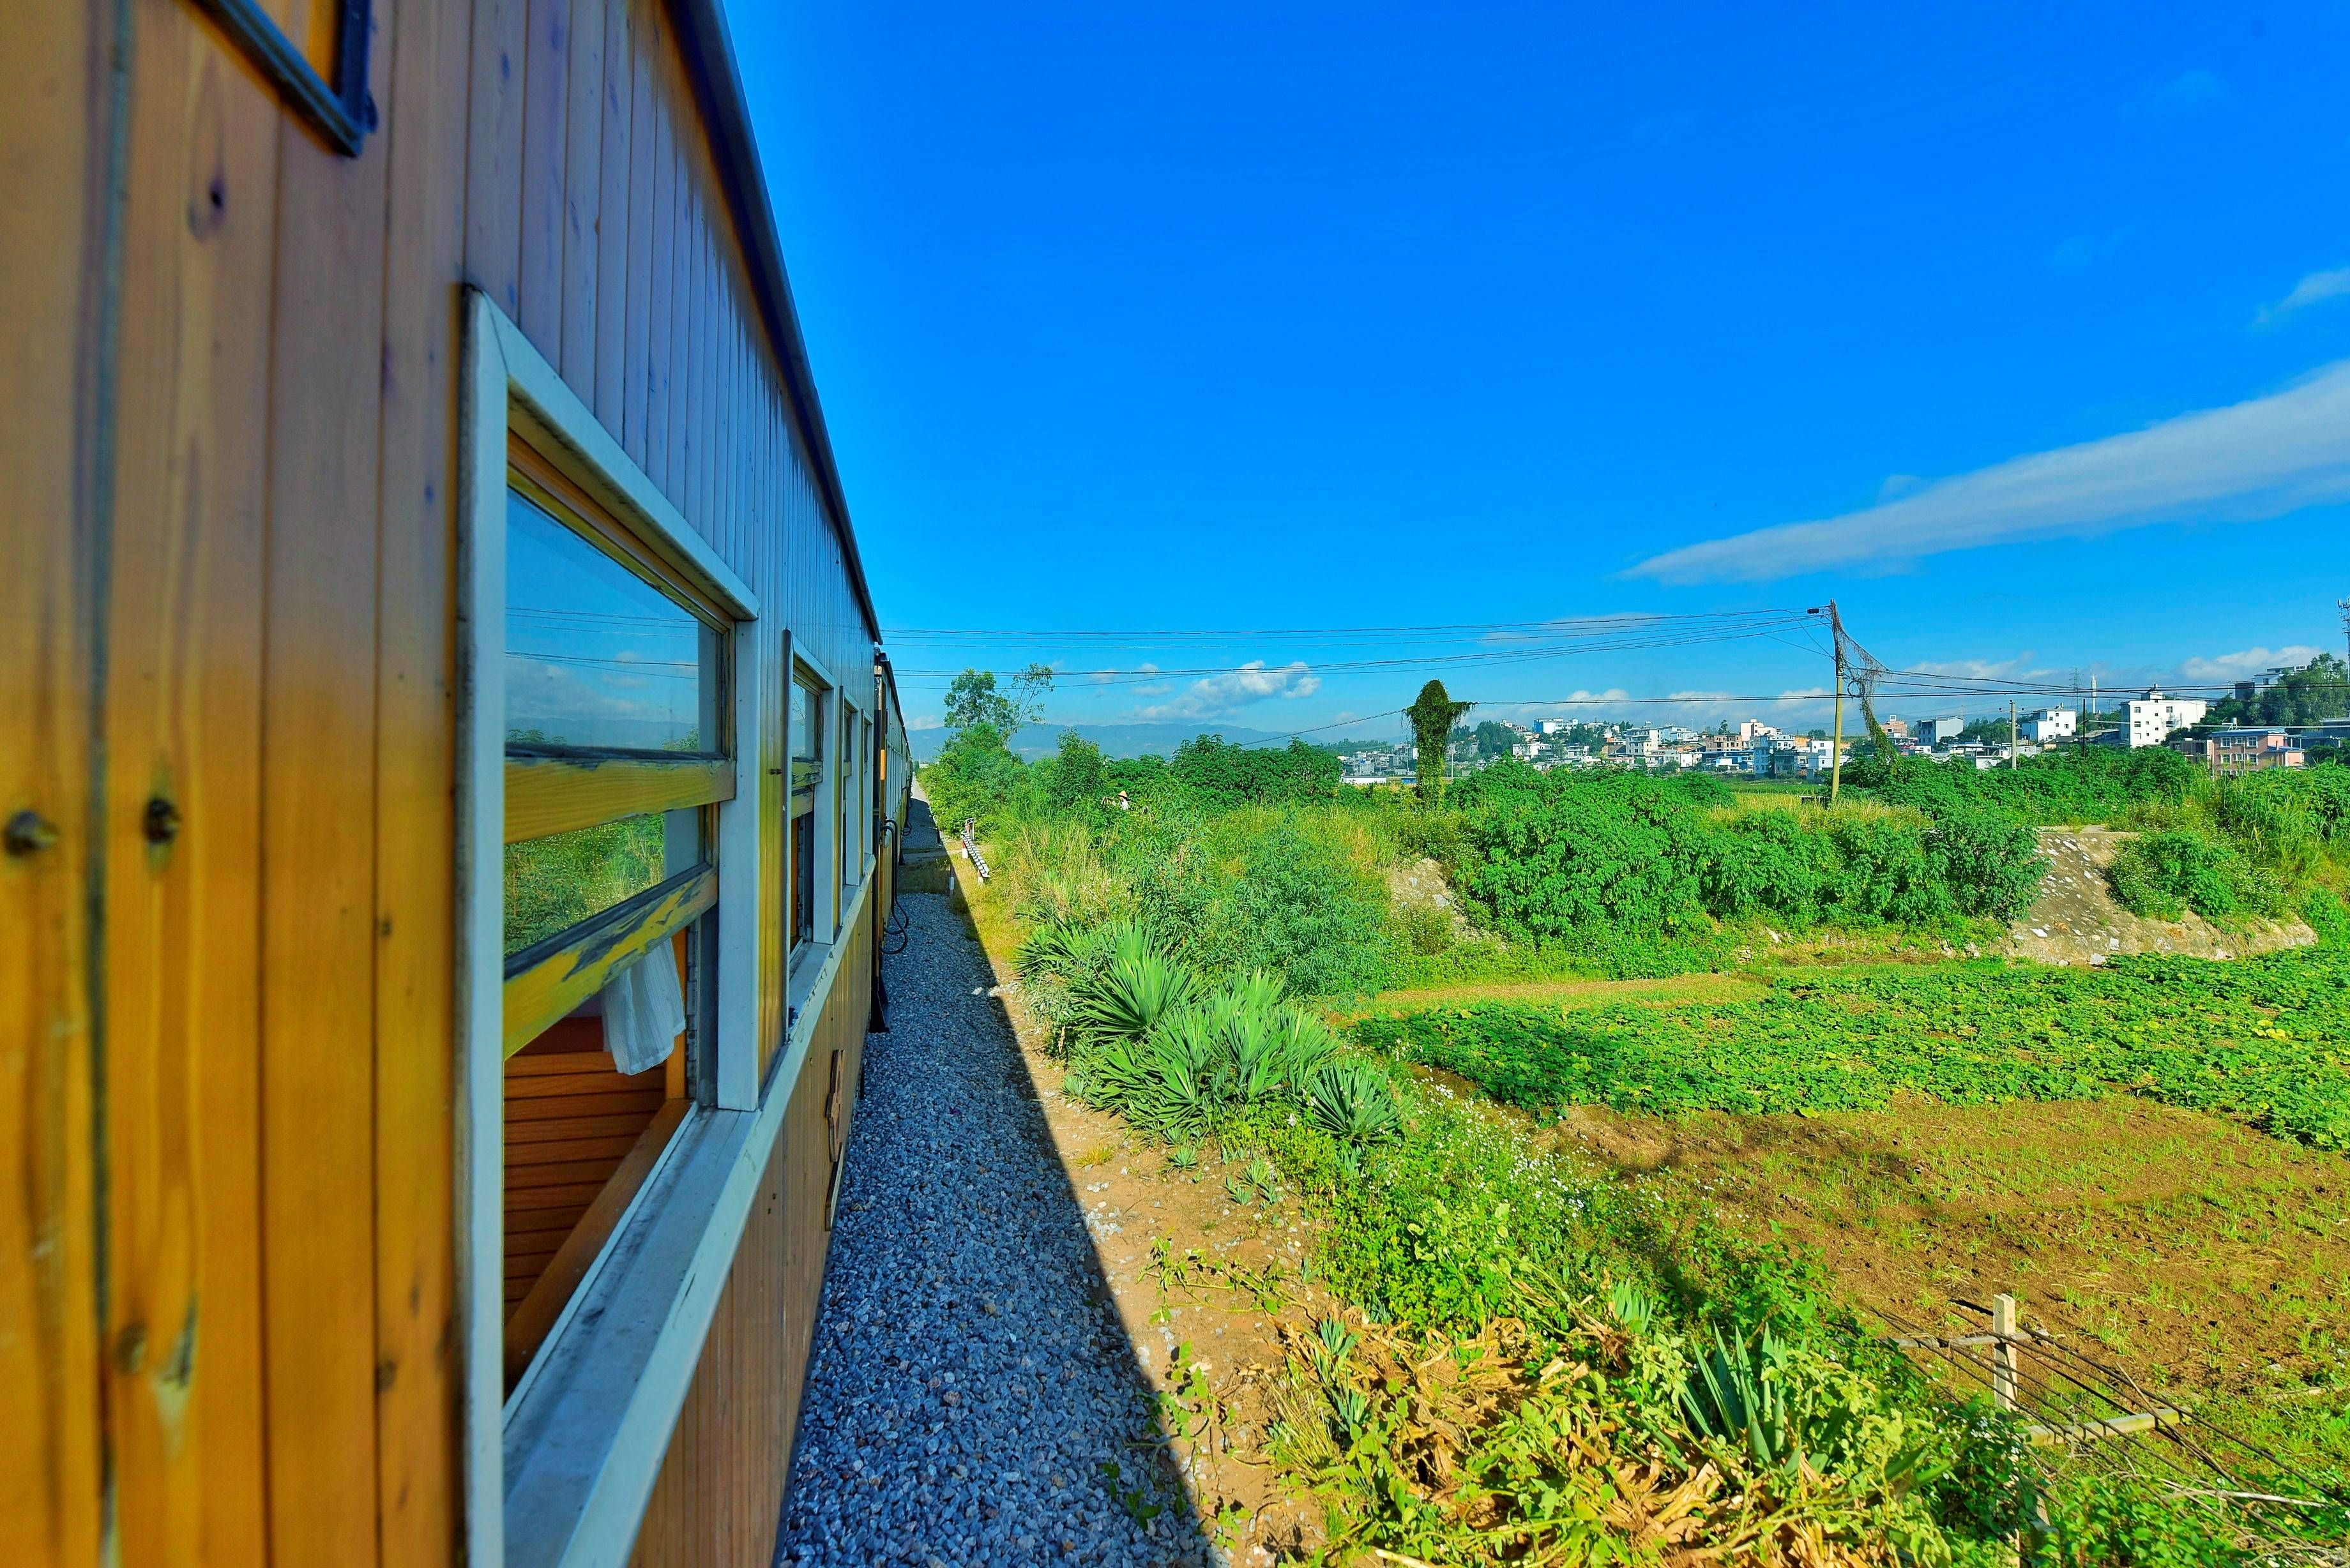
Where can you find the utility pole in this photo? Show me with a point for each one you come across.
(1836, 745)
(2011, 734)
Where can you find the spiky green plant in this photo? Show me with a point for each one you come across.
(1140, 987)
(1352, 1103)
(1729, 1398)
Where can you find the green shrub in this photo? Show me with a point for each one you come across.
(1074, 782)
(1220, 775)
(1991, 864)
(2088, 785)
(2162, 874)
(1299, 907)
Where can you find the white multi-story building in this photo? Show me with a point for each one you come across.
(2149, 721)
(2052, 724)
(1941, 732)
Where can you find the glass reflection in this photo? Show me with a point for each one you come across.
(554, 883)
(596, 655)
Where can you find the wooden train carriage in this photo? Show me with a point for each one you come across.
(449, 786)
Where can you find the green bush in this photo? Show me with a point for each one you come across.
(1073, 778)
(976, 777)
(1220, 774)
(2162, 874)
(2089, 785)
(1589, 860)
(1298, 907)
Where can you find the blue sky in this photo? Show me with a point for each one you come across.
(1240, 317)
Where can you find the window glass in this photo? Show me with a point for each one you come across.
(553, 884)
(806, 734)
(840, 865)
(596, 656)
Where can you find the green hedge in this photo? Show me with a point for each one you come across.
(1560, 856)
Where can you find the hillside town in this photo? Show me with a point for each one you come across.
(2222, 733)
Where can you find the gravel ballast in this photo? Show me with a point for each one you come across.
(968, 1385)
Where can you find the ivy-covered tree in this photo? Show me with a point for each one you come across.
(1432, 715)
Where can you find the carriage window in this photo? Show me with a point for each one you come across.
(596, 655)
(807, 770)
(617, 755)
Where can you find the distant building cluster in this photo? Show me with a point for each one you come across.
(1752, 748)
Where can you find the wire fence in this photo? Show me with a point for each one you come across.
(2084, 1419)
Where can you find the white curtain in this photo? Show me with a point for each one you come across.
(644, 1011)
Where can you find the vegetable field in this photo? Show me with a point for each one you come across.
(2265, 1041)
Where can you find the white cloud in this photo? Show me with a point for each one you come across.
(2245, 662)
(2018, 668)
(2188, 90)
(1219, 695)
(2073, 254)
(926, 722)
(2260, 458)
(2314, 289)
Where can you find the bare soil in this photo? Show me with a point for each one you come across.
(2074, 920)
(2208, 1256)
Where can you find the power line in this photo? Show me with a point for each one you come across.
(1626, 617)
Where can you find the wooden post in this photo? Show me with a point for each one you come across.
(2004, 1379)
(1836, 745)
(2011, 734)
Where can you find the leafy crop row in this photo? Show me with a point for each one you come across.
(2266, 1041)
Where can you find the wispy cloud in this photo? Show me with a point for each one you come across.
(2017, 668)
(1219, 695)
(2182, 94)
(2314, 289)
(1104, 676)
(2245, 662)
(2260, 458)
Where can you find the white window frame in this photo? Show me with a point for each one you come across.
(825, 921)
(559, 1475)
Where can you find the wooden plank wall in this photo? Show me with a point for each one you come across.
(51, 335)
(721, 1492)
(571, 1119)
(230, 520)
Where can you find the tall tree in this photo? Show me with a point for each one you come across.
(974, 698)
(1432, 715)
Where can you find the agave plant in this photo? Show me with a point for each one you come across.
(1140, 987)
(1352, 1103)
(1252, 1039)
(1729, 1400)
(1331, 1345)
(1064, 948)
(1633, 1308)
(1305, 1042)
